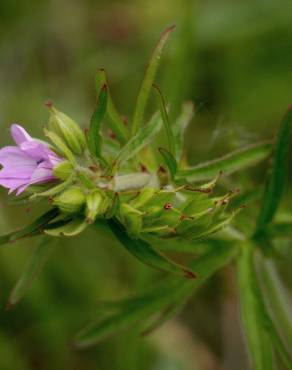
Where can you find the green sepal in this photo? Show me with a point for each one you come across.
(69, 130)
(131, 218)
(60, 145)
(70, 200)
(55, 189)
(97, 204)
(143, 197)
(63, 170)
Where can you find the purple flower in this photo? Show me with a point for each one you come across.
(30, 162)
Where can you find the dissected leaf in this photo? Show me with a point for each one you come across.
(280, 230)
(35, 265)
(277, 297)
(165, 120)
(131, 311)
(228, 164)
(148, 80)
(145, 253)
(276, 181)
(260, 330)
(168, 314)
(142, 138)
(94, 134)
(179, 126)
(169, 161)
(33, 229)
(116, 124)
(258, 340)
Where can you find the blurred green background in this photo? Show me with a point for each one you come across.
(233, 58)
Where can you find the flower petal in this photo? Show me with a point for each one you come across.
(43, 173)
(13, 184)
(35, 150)
(19, 134)
(54, 159)
(12, 154)
(21, 189)
(40, 152)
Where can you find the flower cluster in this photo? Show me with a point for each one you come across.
(84, 187)
(121, 177)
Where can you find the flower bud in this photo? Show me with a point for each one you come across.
(145, 195)
(63, 170)
(70, 200)
(65, 127)
(96, 204)
(131, 218)
(158, 200)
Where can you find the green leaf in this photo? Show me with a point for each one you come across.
(277, 297)
(142, 138)
(33, 229)
(258, 340)
(94, 134)
(68, 228)
(131, 311)
(145, 253)
(35, 265)
(179, 127)
(170, 161)
(280, 230)
(165, 120)
(276, 180)
(228, 164)
(115, 122)
(148, 81)
(261, 333)
(168, 314)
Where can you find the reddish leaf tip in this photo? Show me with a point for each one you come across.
(49, 103)
(143, 168)
(169, 29)
(190, 274)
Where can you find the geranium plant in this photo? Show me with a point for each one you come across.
(136, 185)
